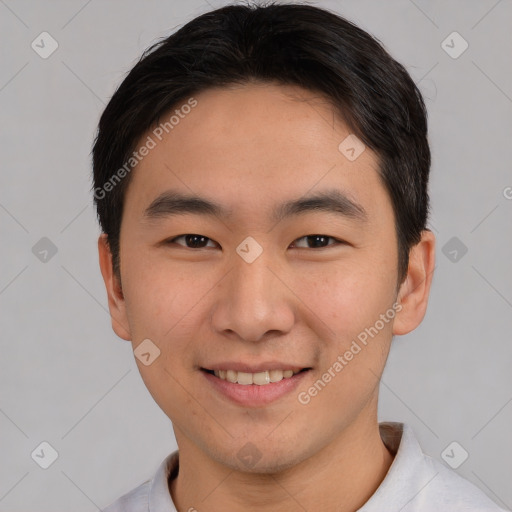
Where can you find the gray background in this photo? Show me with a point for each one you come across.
(66, 379)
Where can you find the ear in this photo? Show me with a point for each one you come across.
(116, 302)
(415, 289)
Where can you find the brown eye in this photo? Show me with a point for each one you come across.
(192, 241)
(316, 241)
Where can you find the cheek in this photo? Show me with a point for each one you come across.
(350, 302)
(355, 345)
(164, 305)
(347, 298)
(155, 297)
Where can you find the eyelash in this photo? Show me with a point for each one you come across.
(337, 240)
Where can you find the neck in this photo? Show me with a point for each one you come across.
(340, 477)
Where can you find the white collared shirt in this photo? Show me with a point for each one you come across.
(414, 483)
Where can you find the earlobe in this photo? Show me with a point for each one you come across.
(116, 302)
(414, 291)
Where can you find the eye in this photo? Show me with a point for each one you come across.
(192, 241)
(195, 241)
(318, 241)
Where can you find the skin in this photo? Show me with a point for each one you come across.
(249, 148)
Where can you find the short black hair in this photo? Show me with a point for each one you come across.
(288, 44)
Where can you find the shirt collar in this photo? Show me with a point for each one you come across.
(159, 495)
(408, 473)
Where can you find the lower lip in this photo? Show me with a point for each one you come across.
(252, 395)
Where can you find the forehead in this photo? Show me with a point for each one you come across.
(249, 145)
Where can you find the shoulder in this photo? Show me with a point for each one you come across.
(153, 495)
(452, 491)
(417, 482)
(134, 501)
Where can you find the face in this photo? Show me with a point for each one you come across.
(253, 285)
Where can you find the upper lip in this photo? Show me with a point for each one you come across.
(253, 368)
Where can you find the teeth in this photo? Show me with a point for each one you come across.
(260, 379)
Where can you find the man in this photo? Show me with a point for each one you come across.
(261, 182)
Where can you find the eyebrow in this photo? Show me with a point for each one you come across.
(171, 203)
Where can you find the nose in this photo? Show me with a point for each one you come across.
(253, 302)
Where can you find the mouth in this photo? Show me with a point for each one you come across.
(254, 389)
(262, 378)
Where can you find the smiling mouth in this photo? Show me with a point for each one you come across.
(258, 379)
